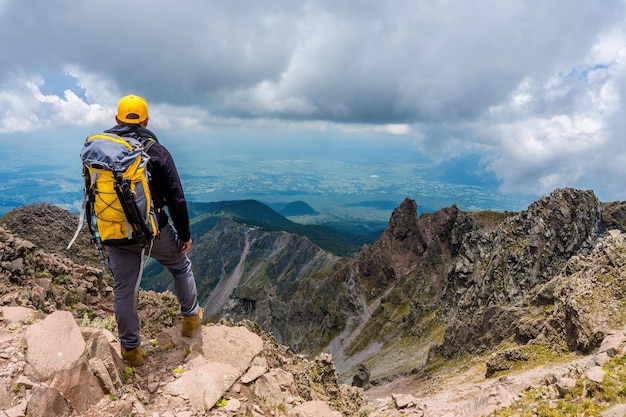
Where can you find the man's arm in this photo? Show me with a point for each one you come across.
(174, 196)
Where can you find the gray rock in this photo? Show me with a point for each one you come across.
(404, 400)
(612, 341)
(565, 386)
(618, 410)
(502, 361)
(362, 377)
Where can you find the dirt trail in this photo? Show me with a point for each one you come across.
(470, 393)
(339, 344)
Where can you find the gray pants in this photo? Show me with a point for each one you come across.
(125, 263)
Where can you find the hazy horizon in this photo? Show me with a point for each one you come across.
(331, 174)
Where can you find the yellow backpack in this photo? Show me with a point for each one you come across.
(117, 202)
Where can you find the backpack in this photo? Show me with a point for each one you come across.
(117, 202)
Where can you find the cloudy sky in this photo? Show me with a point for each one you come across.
(534, 88)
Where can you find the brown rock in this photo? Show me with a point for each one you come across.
(234, 346)
(315, 409)
(79, 386)
(46, 402)
(54, 344)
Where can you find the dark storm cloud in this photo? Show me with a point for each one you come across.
(356, 61)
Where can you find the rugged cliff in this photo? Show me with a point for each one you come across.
(443, 284)
(466, 282)
(282, 281)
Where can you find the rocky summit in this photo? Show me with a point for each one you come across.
(450, 313)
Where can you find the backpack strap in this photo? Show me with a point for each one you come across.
(81, 219)
(83, 209)
(148, 143)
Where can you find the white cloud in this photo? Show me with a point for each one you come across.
(539, 148)
(24, 107)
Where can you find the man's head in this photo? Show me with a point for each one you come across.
(132, 109)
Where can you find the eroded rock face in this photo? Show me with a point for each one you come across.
(495, 274)
(525, 251)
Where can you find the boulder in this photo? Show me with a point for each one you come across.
(275, 387)
(54, 344)
(204, 384)
(17, 314)
(221, 355)
(78, 386)
(234, 346)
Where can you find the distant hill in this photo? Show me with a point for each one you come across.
(204, 216)
(298, 208)
(251, 211)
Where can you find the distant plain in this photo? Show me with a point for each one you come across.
(351, 179)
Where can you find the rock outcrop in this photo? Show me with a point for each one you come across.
(503, 278)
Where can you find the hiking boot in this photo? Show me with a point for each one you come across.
(190, 324)
(133, 357)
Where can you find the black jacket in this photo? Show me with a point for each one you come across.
(165, 185)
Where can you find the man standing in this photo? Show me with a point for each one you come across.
(169, 248)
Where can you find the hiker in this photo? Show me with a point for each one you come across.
(169, 248)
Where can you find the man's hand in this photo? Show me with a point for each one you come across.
(184, 247)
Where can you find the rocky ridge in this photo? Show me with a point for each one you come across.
(499, 292)
(445, 284)
(452, 284)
